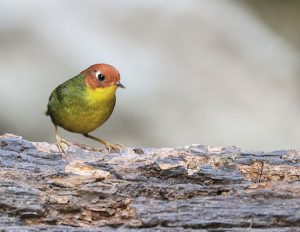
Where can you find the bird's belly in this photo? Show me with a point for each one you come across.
(83, 123)
(84, 119)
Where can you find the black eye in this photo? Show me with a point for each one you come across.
(100, 76)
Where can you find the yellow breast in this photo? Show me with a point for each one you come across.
(97, 108)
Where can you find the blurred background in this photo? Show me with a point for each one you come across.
(214, 72)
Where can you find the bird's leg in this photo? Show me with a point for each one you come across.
(60, 141)
(108, 145)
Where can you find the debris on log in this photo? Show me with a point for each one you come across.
(147, 189)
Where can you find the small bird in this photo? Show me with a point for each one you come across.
(84, 102)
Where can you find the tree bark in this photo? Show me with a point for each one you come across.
(147, 189)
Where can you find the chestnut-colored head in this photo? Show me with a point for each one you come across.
(101, 76)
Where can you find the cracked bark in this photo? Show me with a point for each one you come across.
(168, 189)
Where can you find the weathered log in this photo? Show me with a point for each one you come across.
(168, 189)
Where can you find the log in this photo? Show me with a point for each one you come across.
(147, 189)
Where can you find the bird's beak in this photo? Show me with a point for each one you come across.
(119, 84)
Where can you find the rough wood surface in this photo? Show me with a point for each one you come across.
(169, 189)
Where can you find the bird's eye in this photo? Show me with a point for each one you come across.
(100, 76)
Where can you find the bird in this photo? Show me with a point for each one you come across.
(84, 103)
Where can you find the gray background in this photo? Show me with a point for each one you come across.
(216, 72)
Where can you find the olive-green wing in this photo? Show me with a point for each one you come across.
(69, 89)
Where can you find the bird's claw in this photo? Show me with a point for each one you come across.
(114, 147)
(60, 142)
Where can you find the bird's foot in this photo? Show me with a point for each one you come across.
(113, 147)
(109, 147)
(60, 142)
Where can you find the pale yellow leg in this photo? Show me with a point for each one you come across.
(60, 141)
(108, 145)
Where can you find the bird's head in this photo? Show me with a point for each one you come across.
(101, 76)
